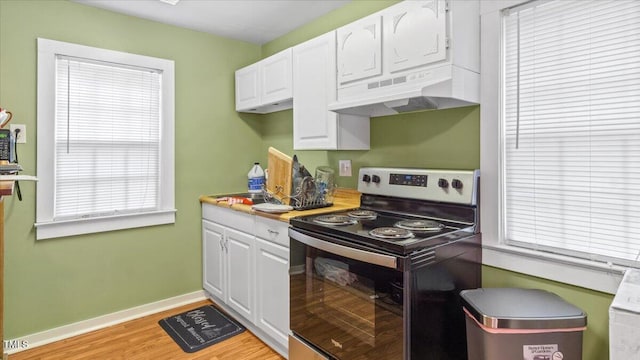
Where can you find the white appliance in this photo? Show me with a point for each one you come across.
(411, 56)
(624, 316)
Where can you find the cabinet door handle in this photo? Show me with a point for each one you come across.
(222, 244)
(273, 232)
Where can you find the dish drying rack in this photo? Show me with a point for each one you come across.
(307, 195)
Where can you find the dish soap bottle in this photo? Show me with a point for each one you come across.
(256, 178)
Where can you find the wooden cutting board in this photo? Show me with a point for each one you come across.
(279, 166)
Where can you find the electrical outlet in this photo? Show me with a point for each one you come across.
(345, 167)
(22, 135)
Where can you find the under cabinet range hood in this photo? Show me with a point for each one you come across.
(414, 55)
(440, 88)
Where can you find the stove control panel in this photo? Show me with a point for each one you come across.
(408, 180)
(454, 186)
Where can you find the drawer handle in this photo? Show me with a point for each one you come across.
(273, 232)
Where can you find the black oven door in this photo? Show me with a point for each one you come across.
(346, 301)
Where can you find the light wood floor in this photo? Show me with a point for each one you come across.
(143, 339)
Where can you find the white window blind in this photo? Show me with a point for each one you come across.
(107, 139)
(571, 129)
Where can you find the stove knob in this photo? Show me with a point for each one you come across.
(366, 178)
(456, 184)
(443, 183)
(375, 179)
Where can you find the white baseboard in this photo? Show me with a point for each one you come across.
(100, 322)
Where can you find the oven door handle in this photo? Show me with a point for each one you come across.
(348, 252)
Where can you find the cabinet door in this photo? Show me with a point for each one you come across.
(276, 77)
(247, 87)
(240, 270)
(272, 281)
(213, 259)
(314, 73)
(315, 127)
(414, 34)
(360, 49)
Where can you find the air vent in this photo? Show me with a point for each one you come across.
(400, 80)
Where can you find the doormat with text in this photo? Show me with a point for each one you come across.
(196, 329)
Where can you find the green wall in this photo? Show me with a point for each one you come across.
(446, 139)
(54, 282)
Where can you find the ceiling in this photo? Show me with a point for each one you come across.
(255, 21)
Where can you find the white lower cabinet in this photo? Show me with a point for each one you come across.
(228, 267)
(214, 259)
(240, 272)
(272, 279)
(246, 271)
(272, 289)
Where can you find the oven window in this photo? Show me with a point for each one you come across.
(348, 308)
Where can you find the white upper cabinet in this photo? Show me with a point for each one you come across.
(314, 76)
(430, 59)
(276, 77)
(247, 87)
(415, 34)
(360, 49)
(265, 86)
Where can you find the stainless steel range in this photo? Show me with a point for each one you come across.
(383, 281)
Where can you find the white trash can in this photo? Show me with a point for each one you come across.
(528, 324)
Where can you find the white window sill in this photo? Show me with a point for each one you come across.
(578, 272)
(49, 230)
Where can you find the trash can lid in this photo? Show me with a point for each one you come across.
(514, 308)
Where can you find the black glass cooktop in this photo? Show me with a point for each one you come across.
(400, 234)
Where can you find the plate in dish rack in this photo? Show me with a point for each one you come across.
(272, 208)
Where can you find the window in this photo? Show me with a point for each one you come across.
(572, 129)
(105, 140)
(560, 155)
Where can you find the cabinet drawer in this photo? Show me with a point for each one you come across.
(230, 218)
(272, 230)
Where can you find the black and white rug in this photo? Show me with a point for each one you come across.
(196, 329)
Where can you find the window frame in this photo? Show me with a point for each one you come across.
(561, 268)
(46, 226)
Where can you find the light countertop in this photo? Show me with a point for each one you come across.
(343, 199)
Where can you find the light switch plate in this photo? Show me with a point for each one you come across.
(345, 167)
